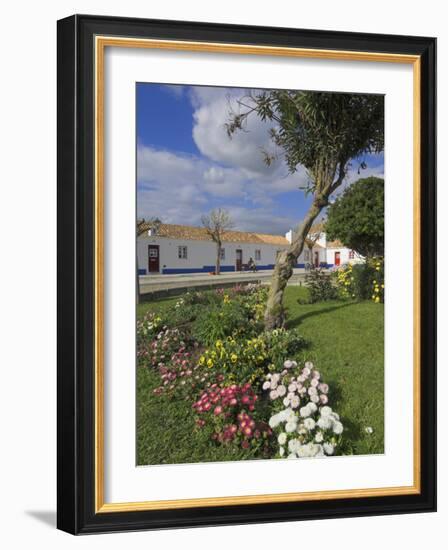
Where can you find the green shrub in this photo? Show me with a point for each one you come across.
(320, 286)
(238, 359)
(282, 344)
(362, 281)
(217, 323)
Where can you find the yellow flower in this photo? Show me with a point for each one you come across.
(377, 299)
(209, 363)
(201, 360)
(382, 286)
(233, 358)
(218, 344)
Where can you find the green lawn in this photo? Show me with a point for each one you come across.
(346, 343)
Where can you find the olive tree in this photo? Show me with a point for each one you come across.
(322, 132)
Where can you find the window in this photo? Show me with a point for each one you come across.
(258, 255)
(222, 253)
(351, 255)
(182, 252)
(306, 255)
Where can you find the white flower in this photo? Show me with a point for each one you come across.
(281, 390)
(338, 428)
(292, 387)
(314, 382)
(312, 390)
(312, 407)
(309, 365)
(286, 401)
(288, 364)
(319, 437)
(309, 424)
(282, 438)
(328, 448)
(369, 430)
(292, 455)
(293, 445)
(305, 411)
(325, 422)
(315, 398)
(325, 411)
(281, 451)
(295, 402)
(273, 394)
(306, 372)
(291, 426)
(274, 421)
(316, 374)
(266, 385)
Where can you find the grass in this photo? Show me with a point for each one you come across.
(346, 343)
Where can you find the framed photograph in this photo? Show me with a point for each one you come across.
(246, 274)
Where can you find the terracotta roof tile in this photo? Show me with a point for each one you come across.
(187, 232)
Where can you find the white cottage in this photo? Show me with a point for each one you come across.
(175, 249)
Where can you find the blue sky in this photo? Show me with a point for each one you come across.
(187, 165)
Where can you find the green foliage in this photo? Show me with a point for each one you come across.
(321, 131)
(282, 344)
(362, 281)
(239, 360)
(357, 217)
(320, 286)
(230, 319)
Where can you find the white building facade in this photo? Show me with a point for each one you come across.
(171, 249)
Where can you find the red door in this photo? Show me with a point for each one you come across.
(153, 258)
(239, 260)
(337, 258)
(316, 259)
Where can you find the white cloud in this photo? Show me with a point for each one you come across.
(245, 149)
(180, 188)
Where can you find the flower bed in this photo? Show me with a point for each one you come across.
(250, 391)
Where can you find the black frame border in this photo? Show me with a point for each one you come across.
(75, 272)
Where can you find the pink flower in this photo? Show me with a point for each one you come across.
(323, 399)
(218, 410)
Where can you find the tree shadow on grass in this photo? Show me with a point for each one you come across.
(297, 321)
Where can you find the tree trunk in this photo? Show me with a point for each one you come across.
(218, 258)
(274, 315)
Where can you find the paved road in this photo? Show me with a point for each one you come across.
(157, 283)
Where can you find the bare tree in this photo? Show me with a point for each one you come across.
(217, 223)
